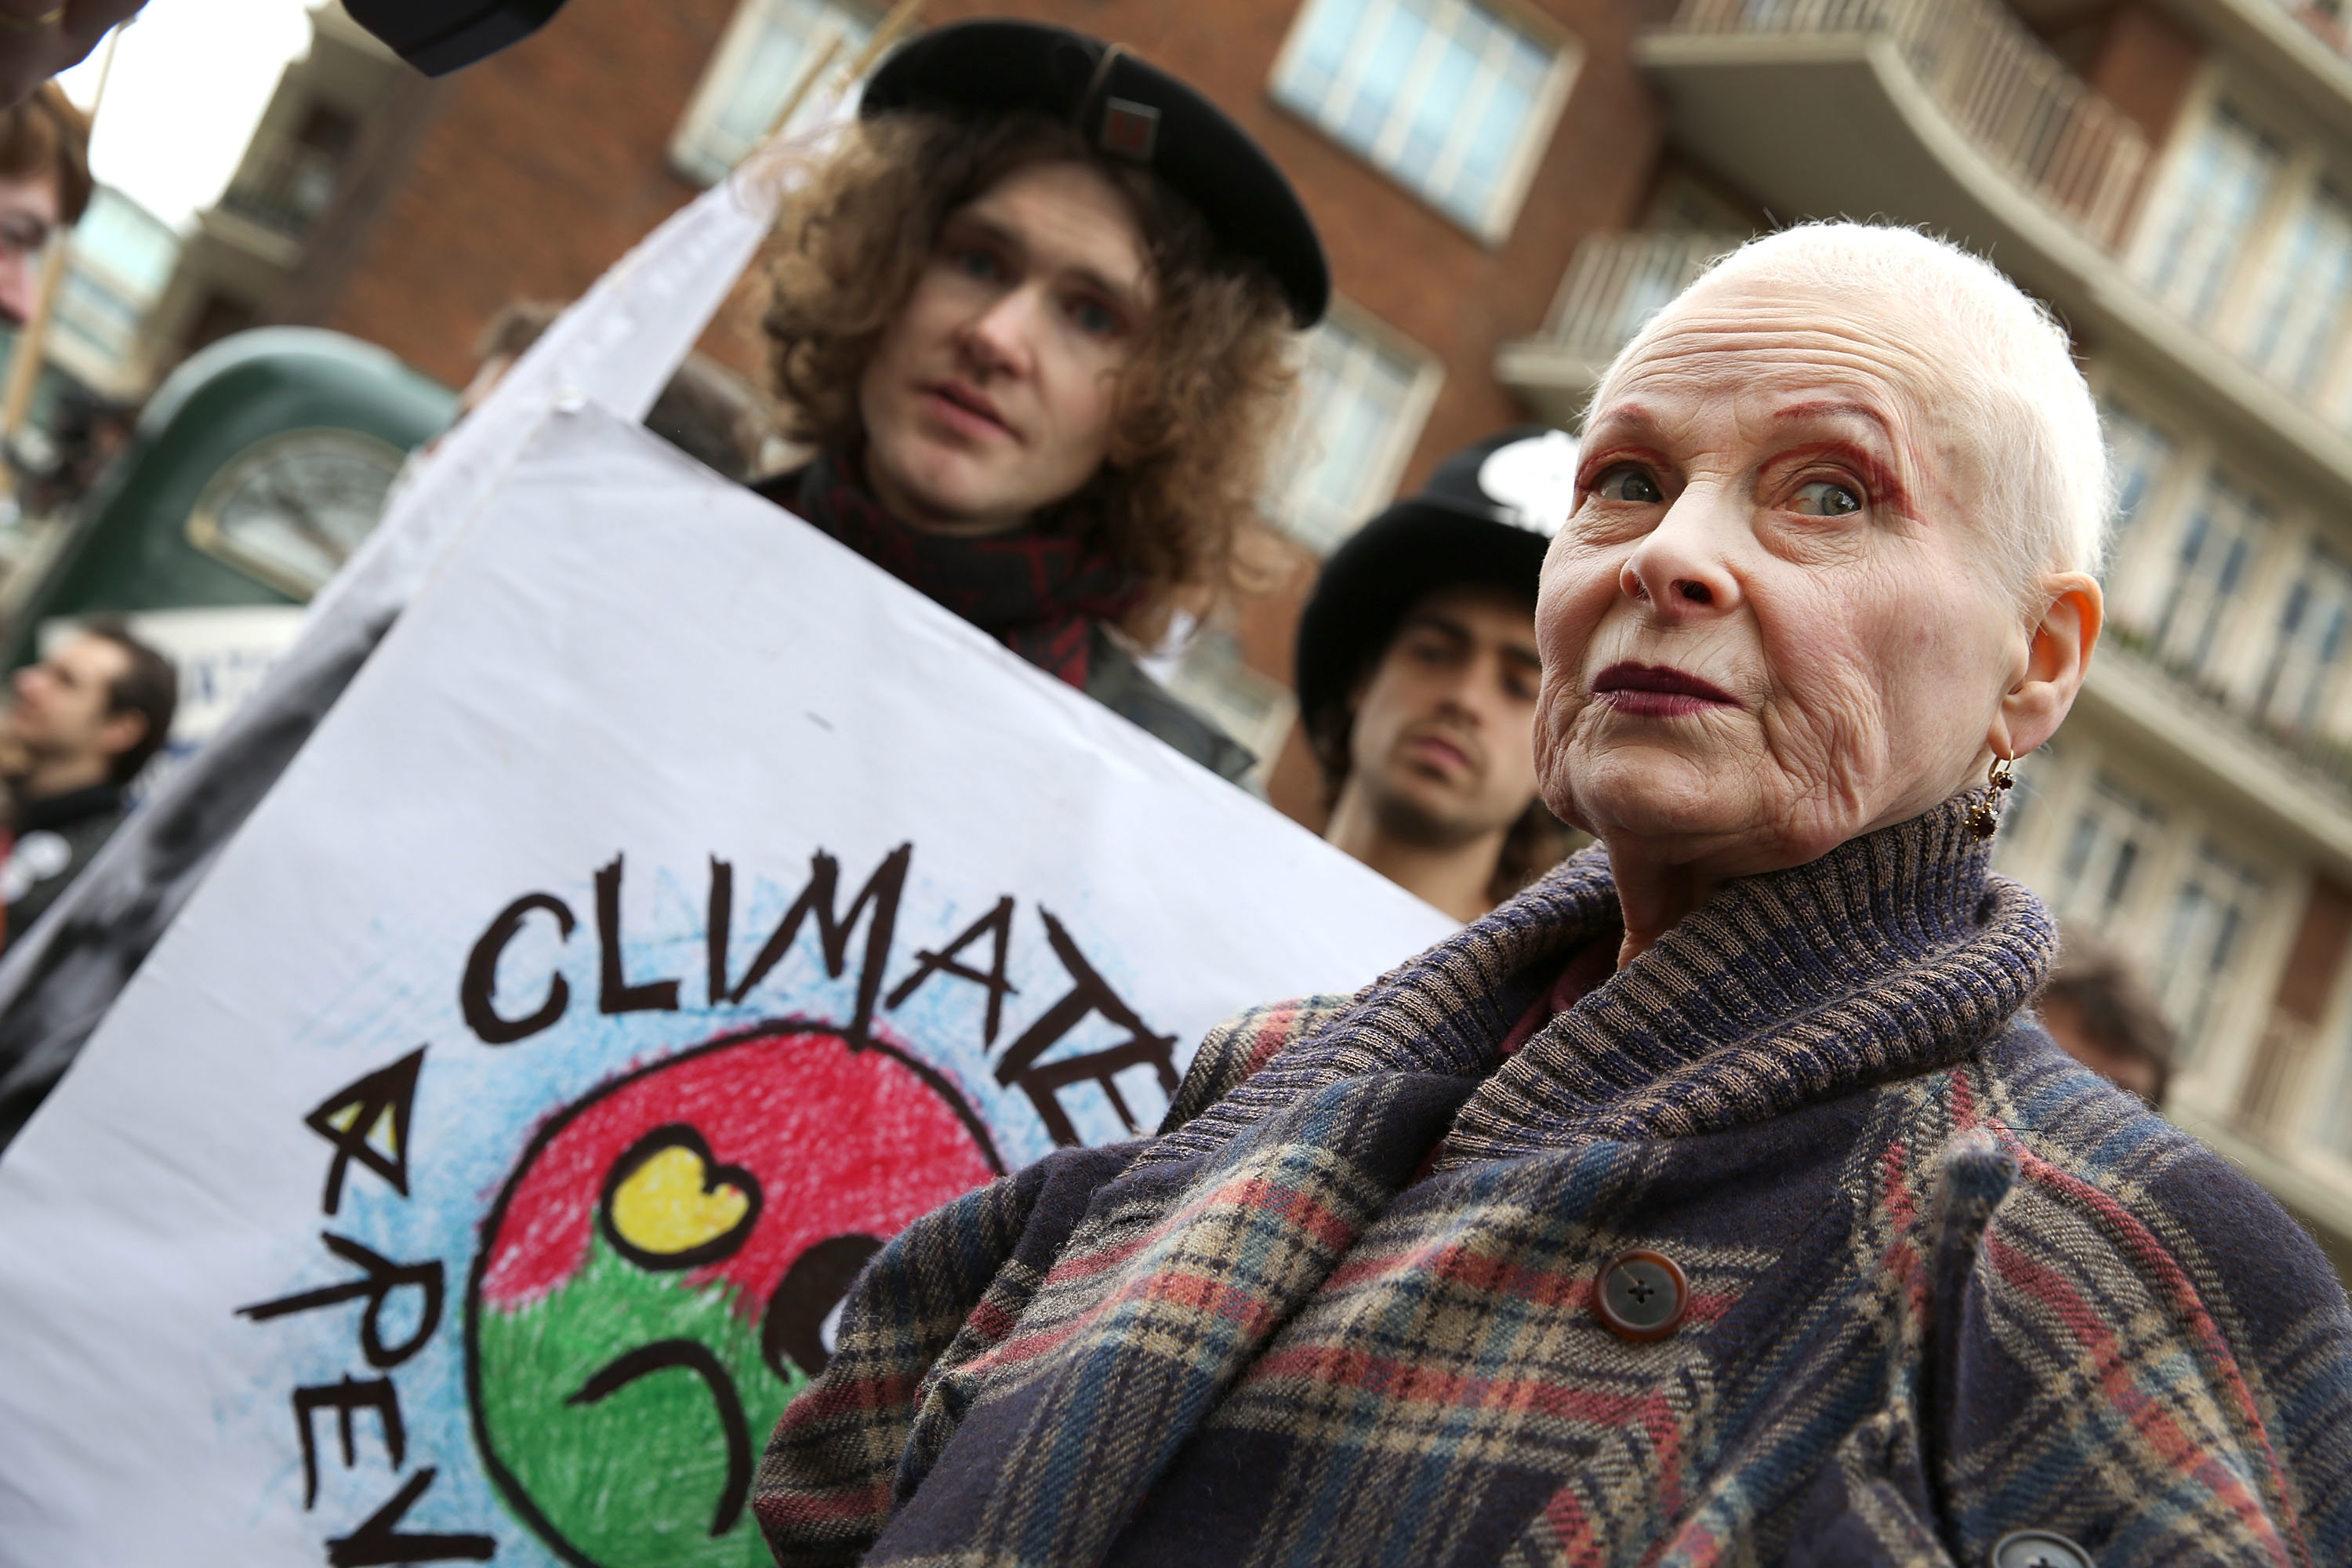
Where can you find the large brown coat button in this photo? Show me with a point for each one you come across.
(1643, 1295)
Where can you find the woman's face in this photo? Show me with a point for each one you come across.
(1773, 622)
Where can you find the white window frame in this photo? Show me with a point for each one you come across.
(1494, 226)
(2303, 340)
(2174, 979)
(1378, 486)
(2102, 796)
(2261, 527)
(2124, 532)
(2315, 558)
(721, 78)
(2160, 246)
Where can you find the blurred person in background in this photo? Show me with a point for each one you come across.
(44, 186)
(87, 431)
(2100, 1007)
(1417, 677)
(84, 722)
(1035, 319)
(706, 411)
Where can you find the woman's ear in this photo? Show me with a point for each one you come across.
(2056, 659)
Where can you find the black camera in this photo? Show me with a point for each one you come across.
(438, 36)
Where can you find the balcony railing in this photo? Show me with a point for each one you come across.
(1615, 282)
(2319, 759)
(283, 188)
(2075, 152)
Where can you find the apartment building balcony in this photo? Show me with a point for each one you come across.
(1948, 113)
(282, 189)
(1613, 284)
(2305, 48)
(2212, 743)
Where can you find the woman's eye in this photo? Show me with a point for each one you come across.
(1628, 484)
(1094, 318)
(976, 263)
(1826, 497)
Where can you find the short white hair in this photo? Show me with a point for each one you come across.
(2018, 405)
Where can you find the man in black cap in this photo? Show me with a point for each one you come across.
(1034, 317)
(1418, 673)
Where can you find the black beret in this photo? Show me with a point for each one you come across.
(1129, 109)
(1483, 521)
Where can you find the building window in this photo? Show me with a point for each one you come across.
(2027, 801)
(2217, 901)
(2225, 176)
(769, 48)
(1444, 95)
(2114, 835)
(2310, 647)
(2217, 547)
(1364, 396)
(2137, 456)
(2303, 308)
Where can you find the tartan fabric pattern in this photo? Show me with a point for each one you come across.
(1944, 1283)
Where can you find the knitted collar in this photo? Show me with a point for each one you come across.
(1039, 594)
(1895, 953)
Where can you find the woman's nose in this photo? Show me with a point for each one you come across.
(1678, 568)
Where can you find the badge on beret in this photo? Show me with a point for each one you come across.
(1129, 130)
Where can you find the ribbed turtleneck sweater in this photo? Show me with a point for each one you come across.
(1938, 1284)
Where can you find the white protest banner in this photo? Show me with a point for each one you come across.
(673, 908)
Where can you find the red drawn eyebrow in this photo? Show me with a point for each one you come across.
(1827, 407)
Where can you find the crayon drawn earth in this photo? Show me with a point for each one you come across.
(660, 1274)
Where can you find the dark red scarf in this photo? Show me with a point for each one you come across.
(1038, 594)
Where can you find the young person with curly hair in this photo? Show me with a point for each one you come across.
(1035, 318)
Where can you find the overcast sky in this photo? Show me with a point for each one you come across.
(191, 77)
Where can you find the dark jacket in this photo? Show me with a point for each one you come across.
(1374, 1295)
(1119, 684)
(55, 840)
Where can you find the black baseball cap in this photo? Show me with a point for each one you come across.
(1484, 519)
(1129, 109)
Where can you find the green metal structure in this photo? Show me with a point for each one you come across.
(254, 470)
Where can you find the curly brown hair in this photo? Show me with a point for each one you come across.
(1198, 408)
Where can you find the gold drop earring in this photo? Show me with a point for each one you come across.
(1984, 816)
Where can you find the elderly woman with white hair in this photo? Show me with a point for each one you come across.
(1718, 1199)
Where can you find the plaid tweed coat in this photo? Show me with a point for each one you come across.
(1943, 1284)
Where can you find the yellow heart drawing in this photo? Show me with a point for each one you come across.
(672, 1205)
